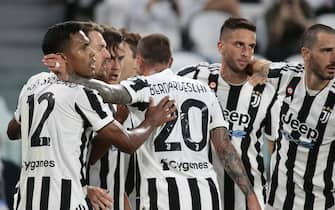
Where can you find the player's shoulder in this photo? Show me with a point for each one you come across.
(332, 88)
(203, 67)
(280, 68)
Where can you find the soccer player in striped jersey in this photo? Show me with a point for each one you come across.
(304, 155)
(56, 119)
(176, 172)
(245, 106)
(109, 171)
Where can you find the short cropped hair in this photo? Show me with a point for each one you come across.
(155, 49)
(58, 36)
(236, 23)
(309, 37)
(131, 39)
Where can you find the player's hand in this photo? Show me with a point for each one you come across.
(258, 78)
(56, 64)
(163, 112)
(252, 202)
(100, 199)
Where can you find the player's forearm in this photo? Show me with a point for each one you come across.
(231, 160)
(115, 94)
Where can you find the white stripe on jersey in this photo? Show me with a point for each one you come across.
(57, 121)
(180, 148)
(303, 163)
(179, 193)
(246, 109)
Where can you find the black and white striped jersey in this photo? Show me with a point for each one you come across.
(303, 163)
(176, 172)
(110, 171)
(247, 109)
(57, 121)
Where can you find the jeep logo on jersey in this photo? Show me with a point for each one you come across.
(302, 128)
(236, 117)
(255, 99)
(325, 114)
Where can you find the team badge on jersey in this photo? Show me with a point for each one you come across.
(255, 99)
(325, 114)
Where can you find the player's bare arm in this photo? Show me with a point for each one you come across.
(129, 140)
(115, 94)
(233, 165)
(14, 130)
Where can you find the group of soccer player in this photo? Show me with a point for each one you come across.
(199, 144)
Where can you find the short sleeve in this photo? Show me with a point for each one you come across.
(89, 105)
(138, 88)
(217, 119)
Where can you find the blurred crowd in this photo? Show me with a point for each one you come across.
(191, 25)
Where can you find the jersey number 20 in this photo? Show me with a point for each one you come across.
(160, 141)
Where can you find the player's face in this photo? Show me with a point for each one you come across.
(80, 56)
(98, 44)
(320, 58)
(113, 66)
(128, 65)
(237, 49)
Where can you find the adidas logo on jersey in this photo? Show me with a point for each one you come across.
(302, 128)
(236, 117)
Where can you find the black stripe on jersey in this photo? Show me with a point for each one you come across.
(189, 70)
(195, 194)
(313, 154)
(292, 152)
(65, 199)
(173, 193)
(30, 193)
(214, 193)
(138, 184)
(18, 198)
(89, 204)
(83, 145)
(152, 193)
(130, 178)
(328, 175)
(283, 111)
(117, 195)
(104, 169)
(274, 73)
(252, 111)
(229, 189)
(142, 106)
(95, 104)
(45, 193)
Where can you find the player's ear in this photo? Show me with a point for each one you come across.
(170, 62)
(305, 53)
(220, 46)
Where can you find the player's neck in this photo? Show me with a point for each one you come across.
(149, 70)
(313, 82)
(232, 77)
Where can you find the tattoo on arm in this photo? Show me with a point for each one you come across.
(230, 159)
(115, 94)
